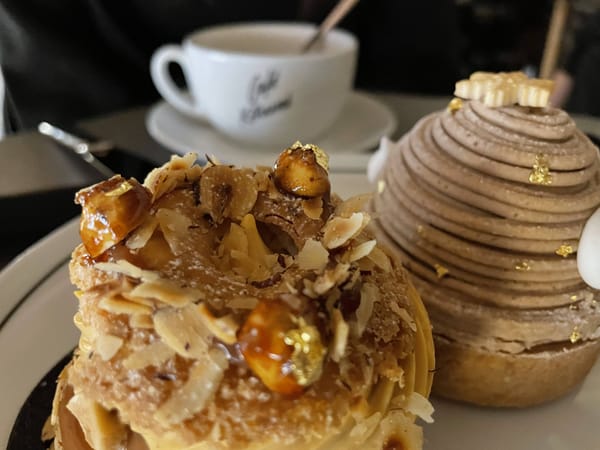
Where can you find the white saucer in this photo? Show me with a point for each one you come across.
(362, 123)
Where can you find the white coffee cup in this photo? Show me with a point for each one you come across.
(253, 83)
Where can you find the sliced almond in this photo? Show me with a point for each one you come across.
(124, 267)
(380, 259)
(204, 380)
(339, 231)
(141, 321)
(107, 346)
(360, 251)
(102, 429)
(167, 292)
(404, 315)
(353, 205)
(183, 330)
(175, 228)
(178, 170)
(313, 256)
(340, 336)
(152, 354)
(313, 207)
(140, 237)
(117, 304)
(330, 278)
(369, 294)
(223, 328)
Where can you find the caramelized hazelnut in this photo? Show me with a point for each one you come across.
(110, 211)
(301, 170)
(262, 342)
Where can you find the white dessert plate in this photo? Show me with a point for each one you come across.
(36, 331)
(362, 123)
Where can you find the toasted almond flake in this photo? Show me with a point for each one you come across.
(404, 315)
(313, 207)
(167, 292)
(360, 251)
(340, 336)
(352, 205)
(203, 381)
(308, 289)
(119, 305)
(140, 300)
(141, 321)
(420, 406)
(102, 429)
(183, 330)
(262, 180)
(369, 294)
(107, 346)
(223, 328)
(339, 230)
(330, 278)
(313, 256)
(124, 267)
(140, 237)
(380, 259)
(175, 229)
(152, 354)
(164, 179)
(291, 289)
(242, 303)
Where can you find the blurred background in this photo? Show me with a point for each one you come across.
(67, 60)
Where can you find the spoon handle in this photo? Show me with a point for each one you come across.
(340, 10)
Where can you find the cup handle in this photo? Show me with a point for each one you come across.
(159, 70)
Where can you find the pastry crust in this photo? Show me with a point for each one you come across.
(488, 378)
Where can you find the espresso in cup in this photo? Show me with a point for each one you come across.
(253, 83)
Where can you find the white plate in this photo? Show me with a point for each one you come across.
(36, 331)
(362, 123)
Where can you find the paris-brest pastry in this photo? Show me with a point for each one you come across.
(232, 308)
(485, 203)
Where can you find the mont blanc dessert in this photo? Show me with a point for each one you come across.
(485, 204)
(230, 308)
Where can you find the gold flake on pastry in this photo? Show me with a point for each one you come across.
(540, 173)
(575, 336)
(523, 266)
(564, 250)
(440, 270)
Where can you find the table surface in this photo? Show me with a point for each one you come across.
(31, 163)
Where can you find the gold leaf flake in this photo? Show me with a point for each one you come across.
(308, 354)
(523, 266)
(540, 173)
(454, 105)
(320, 155)
(564, 250)
(440, 270)
(575, 336)
(380, 186)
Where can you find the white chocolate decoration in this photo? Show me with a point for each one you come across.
(505, 88)
(588, 254)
